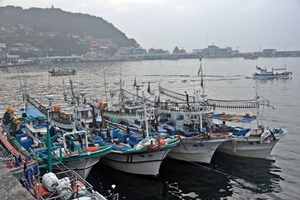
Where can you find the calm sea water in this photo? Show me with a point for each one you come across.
(241, 178)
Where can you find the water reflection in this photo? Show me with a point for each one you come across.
(258, 175)
(187, 181)
(181, 180)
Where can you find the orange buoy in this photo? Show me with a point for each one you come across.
(40, 190)
(78, 189)
(162, 142)
(77, 185)
(92, 149)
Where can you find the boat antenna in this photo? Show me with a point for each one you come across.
(257, 104)
(120, 98)
(49, 92)
(72, 92)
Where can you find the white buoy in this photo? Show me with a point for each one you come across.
(50, 181)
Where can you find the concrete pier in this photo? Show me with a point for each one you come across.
(11, 188)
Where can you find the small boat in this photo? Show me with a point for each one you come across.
(263, 73)
(62, 72)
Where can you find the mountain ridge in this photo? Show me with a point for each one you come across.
(61, 22)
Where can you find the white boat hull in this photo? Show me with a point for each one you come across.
(271, 77)
(252, 148)
(81, 167)
(191, 150)
(143, 163)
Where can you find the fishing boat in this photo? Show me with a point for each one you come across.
(42, 181)
(62, 72)
(249, 142)
(264, 73)
(191, 124)
(251, 138)
(12, 159)
(28, 135)
(80, 113)
(65, 184)
(135, 150)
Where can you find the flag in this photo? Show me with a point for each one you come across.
(134, 83)
(200, 69)
(200, 72)
(148, 90)
(201, 83)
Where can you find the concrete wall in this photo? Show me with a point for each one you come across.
(11, 188)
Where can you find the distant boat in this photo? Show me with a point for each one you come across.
(263, 73)
(62, 72)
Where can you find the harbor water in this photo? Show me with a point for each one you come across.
(227, 177)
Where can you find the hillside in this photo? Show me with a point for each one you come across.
(69, 30)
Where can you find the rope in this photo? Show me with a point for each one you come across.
(235, 177)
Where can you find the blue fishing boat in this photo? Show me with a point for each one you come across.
(264, 73)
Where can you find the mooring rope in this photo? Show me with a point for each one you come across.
(236, 177)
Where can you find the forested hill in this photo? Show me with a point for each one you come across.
(63, 23)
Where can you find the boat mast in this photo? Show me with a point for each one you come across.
(257, 105)
(203, 95)
(48, 81)
(49, 156)
(145, 114)
(120, 98)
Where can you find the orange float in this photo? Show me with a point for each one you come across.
(92, 149)
(41, 190)
(162, 142)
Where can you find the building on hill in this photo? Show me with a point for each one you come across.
(101, 44)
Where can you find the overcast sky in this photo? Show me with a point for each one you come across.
(246, 25)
